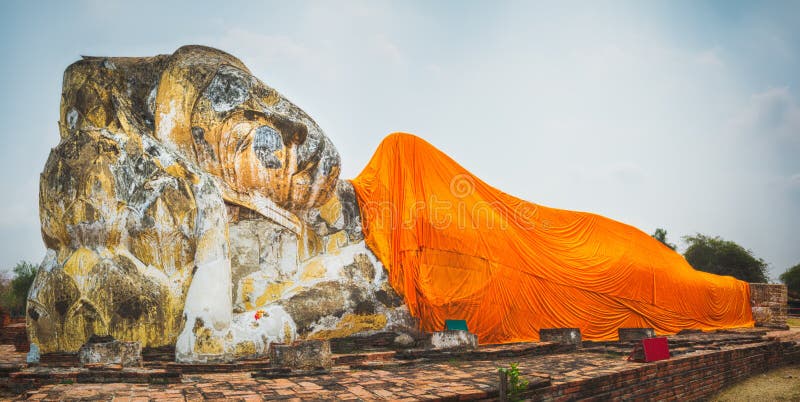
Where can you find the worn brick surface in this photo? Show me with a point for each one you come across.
(583, 374)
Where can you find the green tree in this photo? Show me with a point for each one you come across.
(791, 278)
(15, 292)
(661, 235)
(723, 257)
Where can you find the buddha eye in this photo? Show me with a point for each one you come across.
(266, 141)
(228, 89)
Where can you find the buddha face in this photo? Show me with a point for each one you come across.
(253, 140)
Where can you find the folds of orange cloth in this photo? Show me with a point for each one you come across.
(457, 248)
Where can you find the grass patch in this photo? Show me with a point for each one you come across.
(454, 362)
(776, 385)
(793, 322)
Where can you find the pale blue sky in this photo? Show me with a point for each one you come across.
(681, 114)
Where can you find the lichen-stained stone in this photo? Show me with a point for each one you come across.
(126, 354)
(122, 235)
(190, 204)
(302, 355)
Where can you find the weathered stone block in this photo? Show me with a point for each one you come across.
(302, 355)
(635, 334)
(33, 355)
(110, 352)
(769, 305)
(568, 336)
(404, 341)
(454, 340)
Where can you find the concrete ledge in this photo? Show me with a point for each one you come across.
(567, 336)
(635, 334)
(487, 352)
(461, 340)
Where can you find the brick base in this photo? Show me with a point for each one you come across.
(689, 377)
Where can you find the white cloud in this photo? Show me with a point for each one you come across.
(710, 57)
(388, 49)
(774, 114)
(262, 52)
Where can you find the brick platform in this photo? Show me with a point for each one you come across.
(15, 334)
(707, 362)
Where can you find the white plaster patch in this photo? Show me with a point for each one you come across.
(151, 100)
(209, 296)
(72, 118)
(454, 339)
(165, 157)
(50, 260)
(166, 123)
(209, 299)
(335, 262)
(271, 327)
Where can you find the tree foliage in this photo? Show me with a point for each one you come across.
(15, 291)
(791, 278)
(661, 235)
(724, 257)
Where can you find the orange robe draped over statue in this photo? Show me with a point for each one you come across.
(457, 248)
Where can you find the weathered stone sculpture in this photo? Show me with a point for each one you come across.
(190, 204)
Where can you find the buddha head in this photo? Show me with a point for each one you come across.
(254, 141)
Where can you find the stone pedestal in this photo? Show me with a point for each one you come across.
(454, 340)
(103, 351)
(567, 336)
(302, 355)
(635, 334)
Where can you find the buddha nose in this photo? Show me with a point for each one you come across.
(292, 131)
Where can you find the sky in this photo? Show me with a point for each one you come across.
(683, 115)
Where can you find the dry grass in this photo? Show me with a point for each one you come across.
(781, 384)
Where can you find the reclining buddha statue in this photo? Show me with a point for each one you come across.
(188, 204)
